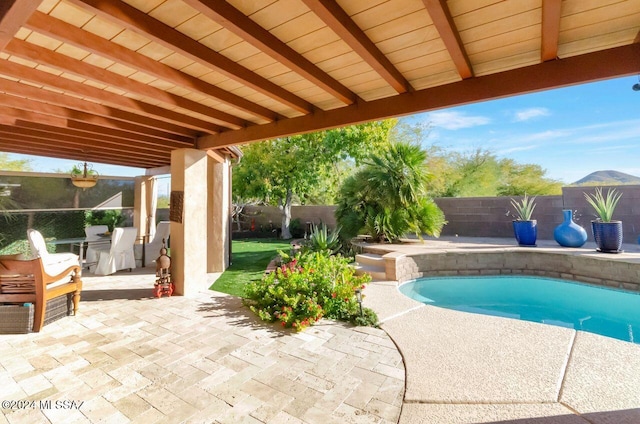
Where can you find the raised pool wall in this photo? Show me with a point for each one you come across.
(487, 216)
(585, 266)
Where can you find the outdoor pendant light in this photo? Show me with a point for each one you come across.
(83, 176)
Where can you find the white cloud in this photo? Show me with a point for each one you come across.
(534, 112)
(455, 120)
(517, 149)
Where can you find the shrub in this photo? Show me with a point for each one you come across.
(110, 218)
(306, 288)
(323, 241)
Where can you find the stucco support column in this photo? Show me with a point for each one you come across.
(189, 175)
(140, 203)
(219, 207)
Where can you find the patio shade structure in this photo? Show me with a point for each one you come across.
(128, 82)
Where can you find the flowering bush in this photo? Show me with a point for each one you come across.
(306, 288)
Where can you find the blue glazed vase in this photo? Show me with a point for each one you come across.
(526, 232)
(569, 234)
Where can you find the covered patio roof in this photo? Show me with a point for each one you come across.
(127, 82)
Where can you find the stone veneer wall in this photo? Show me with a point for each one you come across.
(588, 268)
(487, 216)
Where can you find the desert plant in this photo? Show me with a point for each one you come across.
(388, 198)
(524, 208)
(322, 240)
(604, 205)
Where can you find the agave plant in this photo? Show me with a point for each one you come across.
(604, 205)
(524, 208)
(323, 241)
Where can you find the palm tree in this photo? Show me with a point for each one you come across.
(388, 197)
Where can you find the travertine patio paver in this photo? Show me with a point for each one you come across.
(132, 358)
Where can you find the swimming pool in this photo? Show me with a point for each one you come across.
(599, 310)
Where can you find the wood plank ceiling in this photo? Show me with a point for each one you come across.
(126, 82)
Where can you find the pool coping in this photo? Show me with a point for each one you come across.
(506, 370)
(463, 256)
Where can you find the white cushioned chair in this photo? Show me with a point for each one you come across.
(120, 255)
(152, 249)
(94, 241)
(52, 263)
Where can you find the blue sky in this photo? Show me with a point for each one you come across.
(570, 132)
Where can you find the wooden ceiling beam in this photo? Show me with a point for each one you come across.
(80, 38)
(551, 13)
(237, 22)
(10, 145)
(55, 113)
(100, 114)
(101, 138)
(79, 151)
(35, 76)
(29, 51)
(615, 62)
(13, 14)
(19, 114)
(446, 27)
(143, 24)
(75, 138)
(337, 19)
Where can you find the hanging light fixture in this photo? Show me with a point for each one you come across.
(636, 86)
(83, 176)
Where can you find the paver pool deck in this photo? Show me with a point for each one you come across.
(206, 359)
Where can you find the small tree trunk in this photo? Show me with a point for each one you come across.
(286, 216)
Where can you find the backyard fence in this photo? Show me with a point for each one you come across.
(483, 216)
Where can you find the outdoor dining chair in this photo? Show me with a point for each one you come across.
(152, 249)
(120, 255)
(93, 241)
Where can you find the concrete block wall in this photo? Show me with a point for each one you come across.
(628, 210)
(492, 216)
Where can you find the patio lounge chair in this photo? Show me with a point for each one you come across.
(26, 281)
(120, 254)
(53, 263)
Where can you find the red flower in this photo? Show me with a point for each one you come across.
(333, 295)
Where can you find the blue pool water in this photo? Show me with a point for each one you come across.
(609, 312)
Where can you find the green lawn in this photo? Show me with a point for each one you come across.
(249, 260)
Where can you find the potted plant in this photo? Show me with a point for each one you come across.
(606, 232)
(525, 228)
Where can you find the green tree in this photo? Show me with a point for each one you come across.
(521, 179)
(6, 202)
(7, 164)
(297, 168)
(388, 197)
(481, 173)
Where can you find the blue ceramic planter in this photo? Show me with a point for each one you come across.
(569, 234)
(526, 232)
(608, 236)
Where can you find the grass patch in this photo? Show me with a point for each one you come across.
(250, 259)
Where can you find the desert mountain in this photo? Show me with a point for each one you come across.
(608, 177)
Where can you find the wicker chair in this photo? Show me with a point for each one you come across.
(25, 281)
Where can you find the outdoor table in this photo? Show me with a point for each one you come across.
(80, 241)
